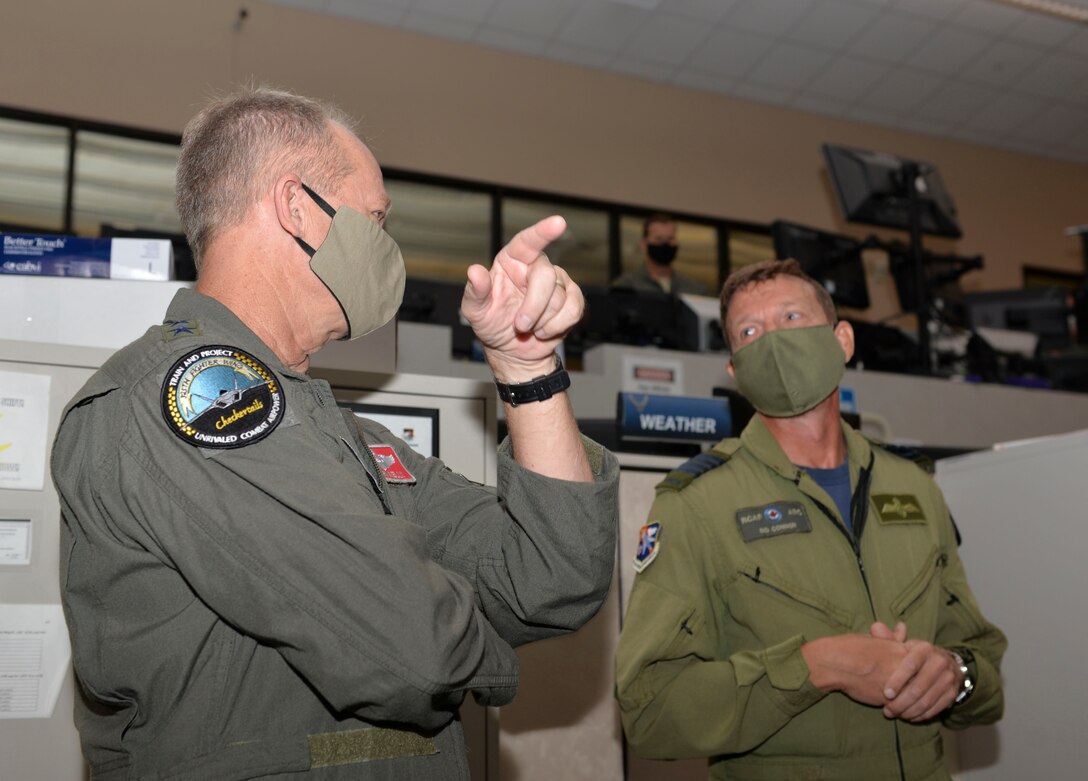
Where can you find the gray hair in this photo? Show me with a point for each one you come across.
(239, 144)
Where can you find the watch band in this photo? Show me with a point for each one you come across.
(536, 389)
(963, 657)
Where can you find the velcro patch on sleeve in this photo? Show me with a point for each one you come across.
(649, 544)
(221, 397)
(393, 469)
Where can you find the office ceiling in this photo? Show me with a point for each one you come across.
(974, 70)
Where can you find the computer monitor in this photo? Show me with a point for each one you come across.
(636, 317)
(437, 303)
(831, 259)
(873, 188)
(1043, 311)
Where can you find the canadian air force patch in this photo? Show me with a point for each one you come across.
(221, 397)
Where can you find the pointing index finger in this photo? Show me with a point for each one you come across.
(529, 244)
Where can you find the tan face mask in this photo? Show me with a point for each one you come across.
(361, 266)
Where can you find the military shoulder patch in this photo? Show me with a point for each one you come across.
(393, 469)
(898, 508)
(699, 465)
(174, 329)
(648, 546)
(221, 397)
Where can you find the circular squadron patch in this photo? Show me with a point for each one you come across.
(221, 397)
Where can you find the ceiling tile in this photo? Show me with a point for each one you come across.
(949, 50)
(831, 24)
(729, 52)
(818, 104)
(935, 9)
(901, 91)
(669, 39)
(773, 18)
(893, 37)
(1058, 76)
(789, 65)
(1006, 114)
(577, 55)
(872, 116)
(601, 25)
(1042, 30)
(1054, 125)
(473, 11)
(1003, 62)
(376, 13)
(705, 10)
(918, 125)
(847, 79)
(763, 93)
(631, 66)
(694, 79)
(511, 42)
(1077, 46)
(439, 26)
(988, 16)
(531, 17)
(955, 102)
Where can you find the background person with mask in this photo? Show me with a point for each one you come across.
(659, 248)
(800, 609)
(255, 583)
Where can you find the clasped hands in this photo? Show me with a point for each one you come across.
(912, 680)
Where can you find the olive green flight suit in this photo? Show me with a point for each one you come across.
(753, 560)
(281, 609)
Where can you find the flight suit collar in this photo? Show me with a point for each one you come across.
(219, 324)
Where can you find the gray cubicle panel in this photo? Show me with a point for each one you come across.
(1021, 512)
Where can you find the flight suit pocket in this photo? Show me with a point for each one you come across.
(917, 604)
(765, 599)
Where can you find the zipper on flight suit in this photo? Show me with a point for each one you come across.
(859, 503)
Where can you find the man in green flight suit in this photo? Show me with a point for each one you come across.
(800, 609)
(258, 585)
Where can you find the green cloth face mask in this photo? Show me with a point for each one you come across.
(789, 371)
(361, 266)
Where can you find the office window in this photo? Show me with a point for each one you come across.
(33, 174)
(582, 250)
(697, 257)
(123, 182)
(747, 247)
(441, 230)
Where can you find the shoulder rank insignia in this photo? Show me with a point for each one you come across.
(173, 329)
(393, 469)
(682, 476)
(221, 397)
(648, 546)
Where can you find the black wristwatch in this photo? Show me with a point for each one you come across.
(537, 389)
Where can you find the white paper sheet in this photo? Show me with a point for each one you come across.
(14, 541)
(34, 658)
(24, 417)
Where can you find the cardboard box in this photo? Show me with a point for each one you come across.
(71, 256)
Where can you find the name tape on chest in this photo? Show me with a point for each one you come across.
(393, 469)
(772, 520)
(649, 544)
(221, 397)
(898, 508)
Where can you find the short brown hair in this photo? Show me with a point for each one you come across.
(655, 217)
(763, 271)
(236, 147)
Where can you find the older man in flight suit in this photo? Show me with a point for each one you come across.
(255, 585)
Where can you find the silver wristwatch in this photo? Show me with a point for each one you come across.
(968, 685)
